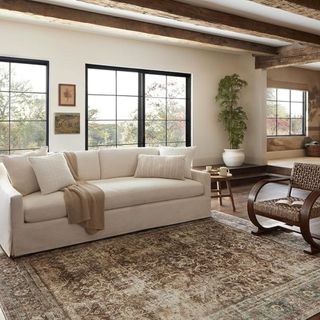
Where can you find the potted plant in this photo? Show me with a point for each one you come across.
(233, 117)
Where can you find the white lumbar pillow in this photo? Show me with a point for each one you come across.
(20, 171)
(188, 152)
(52, 172)
(169, 167)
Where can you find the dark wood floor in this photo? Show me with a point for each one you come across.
(270, 191)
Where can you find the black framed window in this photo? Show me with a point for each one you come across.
(134, 107)
(23, 104)
(286, 112)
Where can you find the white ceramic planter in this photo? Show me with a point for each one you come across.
(233, 157)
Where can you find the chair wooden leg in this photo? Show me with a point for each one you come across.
(263, 231)
(305, 223)
(253, 218)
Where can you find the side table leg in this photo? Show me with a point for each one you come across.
(231, 195)
(219, 192)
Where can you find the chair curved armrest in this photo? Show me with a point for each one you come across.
(308, 205)
(258, 186)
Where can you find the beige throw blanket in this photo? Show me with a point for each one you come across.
(84, 201)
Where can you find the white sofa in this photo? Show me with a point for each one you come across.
(37, 222)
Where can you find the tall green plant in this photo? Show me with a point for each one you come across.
(232, 116)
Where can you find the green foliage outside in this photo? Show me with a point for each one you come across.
(25, 132)
(157, 130)
(232, 116)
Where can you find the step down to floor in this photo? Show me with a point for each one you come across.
(250, 173)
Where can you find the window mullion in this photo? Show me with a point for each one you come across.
(141, 110)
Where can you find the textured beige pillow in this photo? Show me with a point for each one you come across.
(20, 171)
(188, 152)
(52, 172)
(169, 167)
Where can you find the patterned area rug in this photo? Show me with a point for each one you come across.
(207, 269)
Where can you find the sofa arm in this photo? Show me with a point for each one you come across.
(204, 178)
(11, 210)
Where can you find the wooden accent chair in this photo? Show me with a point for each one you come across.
(304, 176)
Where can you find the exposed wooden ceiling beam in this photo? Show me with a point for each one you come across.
(210, 18)
(289, 56)
(80, 16)
(307, 8)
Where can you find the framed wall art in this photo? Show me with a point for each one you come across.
(67, 95)
(67, 123)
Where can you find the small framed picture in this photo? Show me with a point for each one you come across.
(67, 95)
(67, 123)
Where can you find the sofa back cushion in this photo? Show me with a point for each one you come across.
(20, 171)
(121, 162)
(88, 165)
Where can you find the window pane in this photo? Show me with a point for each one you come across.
(101, 81)
(4, 76)
(4, 136)
(155, 109)
(28, 78)
(271, 127)
(155, 85)
(283, 127)
(296, 110)
(176, 109)
(28, 106)
(176, 87)
(283, 109)
(27, 134)
(176, 131)
(296, 95)
(283, 95)
(127, 132)
(127, 108)
(271, 94)
(101, 133)
(271, 109)
(101, 107)
(296, 126)
(155, 132)
(127, 83)
(4, 106)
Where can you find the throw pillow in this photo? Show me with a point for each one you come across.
(169, 167)
(188, 152)
(20, 171)
(52, 172)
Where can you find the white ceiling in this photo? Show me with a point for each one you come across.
(164, 21)
(243, 8)
(250, 9)
(312, 66)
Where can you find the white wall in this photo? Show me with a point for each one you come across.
(68, 51)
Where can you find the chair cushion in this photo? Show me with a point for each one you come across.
(290, 213)
(121, 162)
(130, 191)
(39, 207)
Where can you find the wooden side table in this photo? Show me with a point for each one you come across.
(218, 179)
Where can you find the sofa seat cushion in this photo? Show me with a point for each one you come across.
(130, 191)
(119, 193)
(39, 207)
